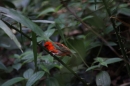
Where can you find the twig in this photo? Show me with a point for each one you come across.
(81, 79)
(90, 28)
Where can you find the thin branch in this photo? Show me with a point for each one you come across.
(90, 28)
(81, 79)
(126, 59)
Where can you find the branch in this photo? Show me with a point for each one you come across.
(55, 57)
(90, 28)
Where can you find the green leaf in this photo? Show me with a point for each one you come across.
(58, 7)
(95, 1)
(9, 69)
(87, 17)
(93, 45)
(28, 73)
(16, 15)
(108, 29)
(78, 46)
(34, 40)
(35, 77)
(16, 56)
(45, 11)
(12, 81)
(17, 66)
(111, 43)
(7, 43)
(125, 11)
(9, 33)
(99, 59)
(49, 32)
(28, 55)
(123, 5)
(52, 82)
(93, 67)
(2, 66)
(112, 60)
(104, 64)
(103, 79)
(43, 21)
(39, 39)
(60, 30)
(47, 58)
(43, 67)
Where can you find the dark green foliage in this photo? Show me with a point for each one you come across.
(92, 29)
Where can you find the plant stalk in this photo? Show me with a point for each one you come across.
(84, 83)
(118, 37)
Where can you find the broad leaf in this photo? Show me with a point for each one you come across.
(47, 58)
(12, 81)
(43, 67)
(45, 11)
(17, 66)
(125, 11)
(112, 60)
(52, 82)
(104, 64)
(16, 15)
(99, 59)
(9, 33)
(2, 66)
(103, 79)
(49, 32)
(108, 29)
(35, 77)
(7, 43)
(111, 43)
(28, 55)
(87, 17)
(93, 67)
(28, 73)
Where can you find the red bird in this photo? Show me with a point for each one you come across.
(57, 48)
